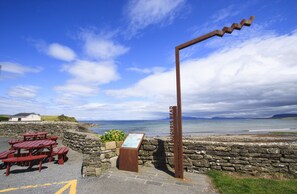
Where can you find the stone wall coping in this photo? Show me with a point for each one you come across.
(253, 144)
(87, 134)
(244, 138)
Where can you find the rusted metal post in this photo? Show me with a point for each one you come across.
(178, 154)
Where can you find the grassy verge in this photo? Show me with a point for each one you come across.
(229, 184)
(57, 118)
(4, 118)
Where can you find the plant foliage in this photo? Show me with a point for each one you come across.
(113, 135)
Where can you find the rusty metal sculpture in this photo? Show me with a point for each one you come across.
(176, 112)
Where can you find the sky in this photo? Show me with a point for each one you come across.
(115, 60)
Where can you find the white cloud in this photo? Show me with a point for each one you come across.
(100, 47)
(61, 52)
(87, 76)
(142, 13)
(23, 91)
(224, 13)
(91, 106)
(128, 110)
(259, 75)
(18, 68)
(92, 71)
(153, 70)
(70, 89)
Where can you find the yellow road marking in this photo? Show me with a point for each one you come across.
(71, 184)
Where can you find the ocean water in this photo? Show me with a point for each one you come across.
(199, 127)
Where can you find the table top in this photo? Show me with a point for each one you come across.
(32, 134)
(34, 144)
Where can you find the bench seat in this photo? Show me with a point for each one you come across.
(30, 158)
(6, 154)
(12, 142)
(61, 152)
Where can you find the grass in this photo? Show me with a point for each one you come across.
(4, 118)
(49, 118)
(226, 183)
(57, 118)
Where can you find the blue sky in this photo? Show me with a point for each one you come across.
(114, 60)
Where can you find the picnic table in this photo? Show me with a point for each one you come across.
(35, 146)
(34, 135)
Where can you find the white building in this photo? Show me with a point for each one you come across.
(25, 117)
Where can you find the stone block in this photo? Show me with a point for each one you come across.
(288, 160)
(216, 167)
(113, 161)
(119, 144)
(232, 169)
(117, 151)
(189, 151)
(196, 157)
(273, 151)
(98, 171)
(201, 163)
(110, 154)
(102, 156)
(221, 148)
(149, 147)
(171, 161)
(110, 145)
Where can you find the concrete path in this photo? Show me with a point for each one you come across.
(67, 178)
(148, 180)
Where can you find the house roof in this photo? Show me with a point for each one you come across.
(24, 114)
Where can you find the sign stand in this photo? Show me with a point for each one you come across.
(128, 159)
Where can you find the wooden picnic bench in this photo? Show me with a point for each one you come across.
(12, 142)
(61, 152)
(30, 158)
(7, 154)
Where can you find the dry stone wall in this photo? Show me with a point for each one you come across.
(97, 156)
(253, 155)
(243, 154)
(15, 129)
(244, 157)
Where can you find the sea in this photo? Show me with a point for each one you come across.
(199, 127)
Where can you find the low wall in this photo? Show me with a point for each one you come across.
(97, 156)
(244, 157)
(15, 129)
(252, 155)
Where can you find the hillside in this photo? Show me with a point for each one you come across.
(284, 116)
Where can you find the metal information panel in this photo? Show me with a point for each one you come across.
(133, 140)
(128, 159)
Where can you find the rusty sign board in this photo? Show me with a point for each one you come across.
(177, 142)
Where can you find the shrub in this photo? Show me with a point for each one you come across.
(113, 135)
(66, 118)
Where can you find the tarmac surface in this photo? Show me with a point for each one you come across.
(67, 178)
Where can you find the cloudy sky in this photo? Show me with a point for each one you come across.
(114, 60)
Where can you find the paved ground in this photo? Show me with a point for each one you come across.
(67, 178)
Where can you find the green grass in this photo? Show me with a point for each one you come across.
(4, 118)
(57, 118)
(232, 185)
(49, 118)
